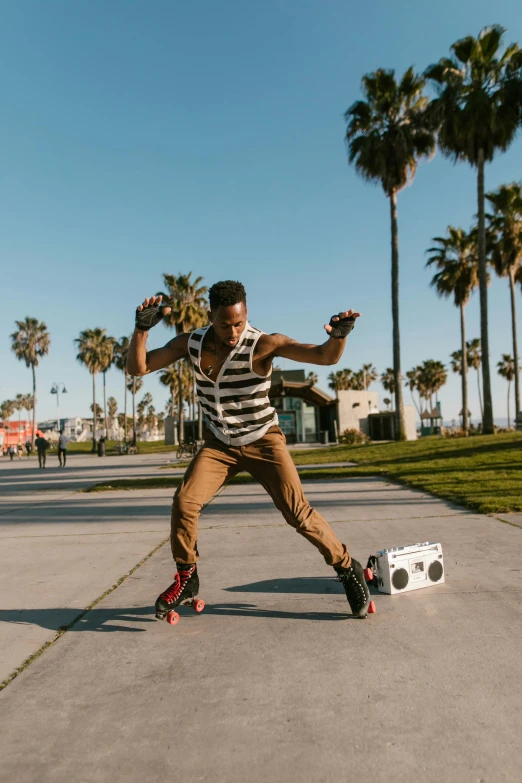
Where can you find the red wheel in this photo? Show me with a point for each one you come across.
(172, 618)
(198, 605)
(371, 608)
(368, 574)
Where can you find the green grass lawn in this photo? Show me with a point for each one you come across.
(152, 447)
(483, 473)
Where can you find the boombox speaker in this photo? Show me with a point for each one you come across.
(403, 568)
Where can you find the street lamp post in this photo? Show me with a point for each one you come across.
(55, 389)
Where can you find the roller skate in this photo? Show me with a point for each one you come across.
(183, 590)
(356, 589)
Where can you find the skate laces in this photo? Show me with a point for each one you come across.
(180, 580)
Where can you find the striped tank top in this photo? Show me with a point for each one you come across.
(235, 406)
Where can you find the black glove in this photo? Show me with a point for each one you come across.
(148, 317)
(342, 327)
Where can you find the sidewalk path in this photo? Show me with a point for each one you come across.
(274, 680)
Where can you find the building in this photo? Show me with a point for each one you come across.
(307, 414)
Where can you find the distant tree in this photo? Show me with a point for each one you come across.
(474, 361)
(388, 382)
(414, 384)
(387, 402)
(99, 410)
(30, 343)
(112, 407)
(121, 351)
(312, 378)
(455, 257)
(134, 387)
(92, 352)
(7, 408)
(188, 304)
(506, 369)
(370, 375)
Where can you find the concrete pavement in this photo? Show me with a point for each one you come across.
(273, 679)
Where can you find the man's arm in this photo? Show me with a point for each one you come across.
(328, 353)
(142, 362)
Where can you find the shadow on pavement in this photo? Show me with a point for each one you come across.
(127, 620)
(312, 585)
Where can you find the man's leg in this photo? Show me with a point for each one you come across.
(44, 457)
(40, 465)
(269, 461)
(211, 467)
(64, 454)
(60, 457)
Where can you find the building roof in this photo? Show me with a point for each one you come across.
(298, 387)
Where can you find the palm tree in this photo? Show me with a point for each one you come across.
(112, 407)
(186, 299)
(505, 239)
(169, 377)
(19, 402)
(121, 350)
(7, 408)
(143, 403)
(312, 378)
(387, 402)
(134, 386)
(388, 382)
(474, 360)
(30, 342)
(341, 380)
(386, 135)
(506, 368)
(370, 375)
(108, 348)
(455, 258)
(92, 352)
(477, 113)
(413, 383)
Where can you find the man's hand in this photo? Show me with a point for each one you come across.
(150, 313)
(341, 324)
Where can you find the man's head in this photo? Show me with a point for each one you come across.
(228, 311)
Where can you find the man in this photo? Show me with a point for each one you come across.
(233, 363)
(62, 449)
(41, 447)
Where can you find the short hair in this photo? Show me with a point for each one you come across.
(226, 293)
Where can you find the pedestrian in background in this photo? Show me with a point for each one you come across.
(41, 447)
(62, 449)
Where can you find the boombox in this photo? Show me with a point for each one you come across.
(403, 568)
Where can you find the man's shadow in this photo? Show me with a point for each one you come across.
(135, 619)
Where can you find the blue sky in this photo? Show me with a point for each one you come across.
(142, 138)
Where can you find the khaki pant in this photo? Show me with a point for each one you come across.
(268, 461)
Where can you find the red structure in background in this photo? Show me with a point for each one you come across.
(14, 433)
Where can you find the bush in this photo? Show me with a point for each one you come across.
(353, 437)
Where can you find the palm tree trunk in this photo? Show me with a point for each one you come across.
(125, 409)
(181, 434)
(94, 418)
(480, 394)
(134, 411)
(401, 430)
(488, 426)
(515, 340)
(34, 406)
(509, 416)
(465, 423)
(105, 406)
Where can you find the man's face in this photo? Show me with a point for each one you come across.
(229, 323)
